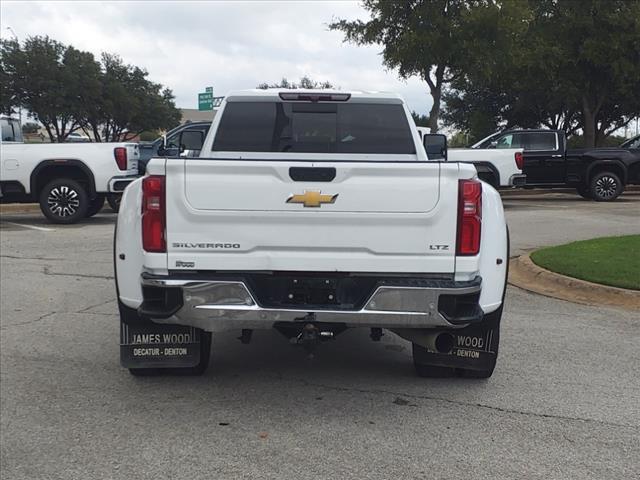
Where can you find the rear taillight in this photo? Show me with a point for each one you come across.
(469, 217)
(120, 154)
(519, 160)
(154, 217)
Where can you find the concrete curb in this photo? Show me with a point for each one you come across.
(525, 274)
(19, 208)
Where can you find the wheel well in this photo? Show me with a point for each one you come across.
(488, 173)
(51, 171)
(608, 167)
(488, 177)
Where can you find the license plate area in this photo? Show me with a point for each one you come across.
(300, 291)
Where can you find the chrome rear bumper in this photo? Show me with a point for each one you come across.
(219, 305)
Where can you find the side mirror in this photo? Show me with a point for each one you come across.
(435, 144)
(493, 144)
(191, 140)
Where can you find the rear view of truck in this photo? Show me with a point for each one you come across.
(310, 212)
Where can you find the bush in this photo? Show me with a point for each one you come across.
(30, 127)
(577, 141)
(148, 136)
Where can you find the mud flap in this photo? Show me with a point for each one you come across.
(471, 348)
(152, 345)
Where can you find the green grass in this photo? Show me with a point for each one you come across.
(613, 261)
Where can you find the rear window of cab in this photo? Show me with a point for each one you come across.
(307, 127)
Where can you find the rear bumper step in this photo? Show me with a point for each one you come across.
(518, 180)
(219, 304)
(118, 184)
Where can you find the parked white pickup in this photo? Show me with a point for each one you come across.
(310, 212)
(497, 167)
(69, 180)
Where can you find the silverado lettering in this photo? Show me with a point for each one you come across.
(205, 245)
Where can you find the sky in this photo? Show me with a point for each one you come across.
(188, 46)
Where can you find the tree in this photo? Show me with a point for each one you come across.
(471, 109)
(437, 40)
(420, 120)
(573, 66)
(304, 83)
(66, 89)
(30, 127)
(459, 140)
(80, 74)
(10, 57)
(54, 82)
(129, 103)
(577, 141)
(479, 107)
(596, 46)
(148, 136)
(616, 113)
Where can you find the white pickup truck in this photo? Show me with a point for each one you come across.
(310, 212)
(69, 180)
(499, 168)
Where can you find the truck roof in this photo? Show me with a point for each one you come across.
(274, 93)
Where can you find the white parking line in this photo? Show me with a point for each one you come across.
(33, 227)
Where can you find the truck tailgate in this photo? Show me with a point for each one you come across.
(243, 215)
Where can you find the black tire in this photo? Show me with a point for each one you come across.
(584, 192)
(114, 201)
(605, 187)
(95, 205)
(199, 369)
(64, 201)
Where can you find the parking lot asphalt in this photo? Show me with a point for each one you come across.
(563, 401)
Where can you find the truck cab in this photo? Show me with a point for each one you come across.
(10, 128)
(632, 143)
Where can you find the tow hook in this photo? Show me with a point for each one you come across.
(310, 337)
(245, 336)
(376, 334)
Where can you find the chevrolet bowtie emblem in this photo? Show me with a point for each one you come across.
(312, 198)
